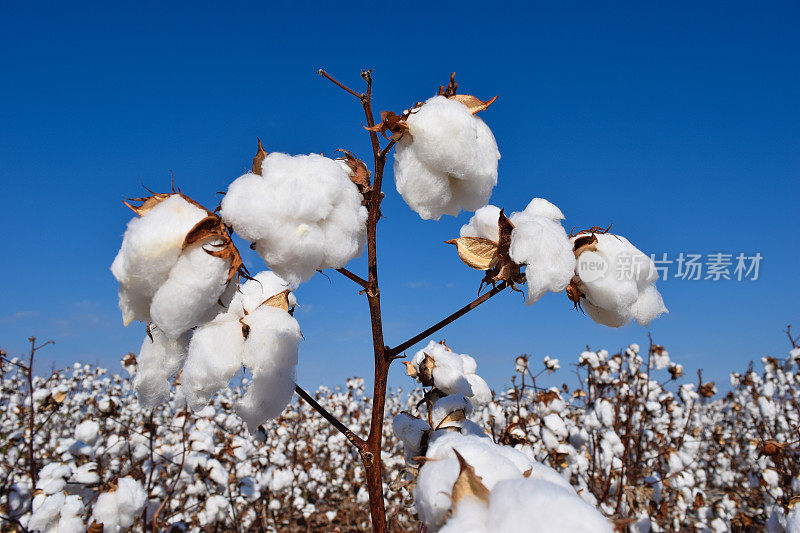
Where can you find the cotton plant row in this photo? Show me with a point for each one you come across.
(636, 440)
(207, 318)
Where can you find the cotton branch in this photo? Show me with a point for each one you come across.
(335, 422)
(393, 352)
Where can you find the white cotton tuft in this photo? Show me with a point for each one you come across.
(159, 360)
(194, 285)
(271, 345)
(446, 161)
(118, 509)
(87, 431)
(539, 242)
(303, 214)
(255, 291)
(150, 248)
(56, 513)
(214, 357)
(483, 224)
(618, 282)
(267, 396)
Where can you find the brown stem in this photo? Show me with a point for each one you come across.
(335, 422)
(340, 84)
(31, 457)
(445, 321)
(358, 279)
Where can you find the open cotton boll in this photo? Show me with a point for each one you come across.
(267, 396)
(255, 291)
(409, 430)
(303, 213)
(87, 431)
(271, 345)
(540, 243)
(195, 284)
(53, 477)
(57, 513)
(150, 247)
(446, 161)
(118, 509)
(624, 288)
(437, 475)
(159, 360)
(214, 357)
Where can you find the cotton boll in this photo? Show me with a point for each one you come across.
(254, 292)
(625, 289)
(446, 161)
(409, 430)
(87, 431)
(266, 397)
(159, 360)
(195, 284)
(447, 405)
(57, 513)
(118, 509)
(271, 345)
(793, 520)
(214, 357)
(436, 476)
(150, 247)
(303, 214)
(542, 245)
(52, 478)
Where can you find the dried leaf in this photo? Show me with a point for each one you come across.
(258, 159)
(59, 396)
(392, 122)
(449, 90)
(148, 203)
(410, 370)
(278, 301)
(474, 105)
(94, 527)
(476, 252)
(426, 371)
(468, 483)
(584, 243)
(359, 172)
(456, 416)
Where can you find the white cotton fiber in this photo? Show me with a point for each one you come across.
(271, 346)
(454, 373)
(194, 285)
(150, 248)
(158, 361)
(446, 161)
(409, 430)
(266, 397)
(57, 513)
(538, 241)
(255, 291)
(87, 431)
(303, 213)
(214, 357)
(118, 509)
(437, 475)
(626, 290)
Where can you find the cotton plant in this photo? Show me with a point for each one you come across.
(208, 320)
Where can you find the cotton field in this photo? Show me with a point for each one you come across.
(638, 442)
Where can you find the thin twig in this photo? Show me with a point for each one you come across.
(340, 84)
(359, 280)
(391, 353)
(335, 422)
(385, 151)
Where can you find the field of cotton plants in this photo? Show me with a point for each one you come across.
(649, 447)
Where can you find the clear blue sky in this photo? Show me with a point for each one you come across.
(676, 121)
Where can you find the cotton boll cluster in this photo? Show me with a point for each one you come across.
(538, 241)
(172, 270)
(302, 212)
(438, 366)
(446, 161)
(255, 332)
(118, 509)
(615, 281)
(57, 513)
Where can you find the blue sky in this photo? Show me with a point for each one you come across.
(678, 122)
